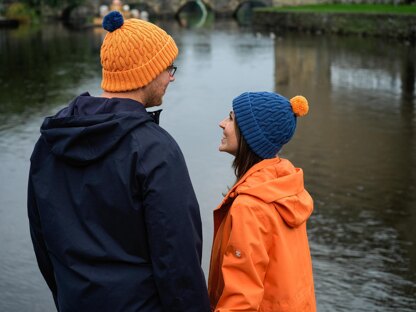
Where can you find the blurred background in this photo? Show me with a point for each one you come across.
(357, 145)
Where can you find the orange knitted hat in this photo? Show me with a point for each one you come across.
(133, 53)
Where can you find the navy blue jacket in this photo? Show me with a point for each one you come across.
(113, 216)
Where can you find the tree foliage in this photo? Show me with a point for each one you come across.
(51, 3)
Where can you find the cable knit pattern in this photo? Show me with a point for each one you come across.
(134, 54)
(266, 121)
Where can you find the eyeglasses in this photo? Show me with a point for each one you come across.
(172, 70)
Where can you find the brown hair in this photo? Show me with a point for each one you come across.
(245, 158)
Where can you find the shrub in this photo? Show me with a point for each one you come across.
(21, 12)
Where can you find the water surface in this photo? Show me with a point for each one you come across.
(356, 146)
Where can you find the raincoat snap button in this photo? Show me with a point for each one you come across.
(238, 253)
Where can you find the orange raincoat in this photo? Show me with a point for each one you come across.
(260, 259)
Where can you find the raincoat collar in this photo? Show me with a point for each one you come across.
(257, 167)
(278, 183)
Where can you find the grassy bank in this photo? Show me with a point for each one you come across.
(345, 8)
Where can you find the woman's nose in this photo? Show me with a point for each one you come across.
(221, 124)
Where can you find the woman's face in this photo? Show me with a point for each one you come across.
(229, 141)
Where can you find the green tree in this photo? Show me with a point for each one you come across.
(32, 10)
(39, 4)
(53, 3)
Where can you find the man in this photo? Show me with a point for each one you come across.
(113, 216)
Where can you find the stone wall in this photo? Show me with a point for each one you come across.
(384, 25)
(306, 2)
(169, 7)
(298, 2)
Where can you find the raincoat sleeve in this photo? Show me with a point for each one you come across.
(246, 258)
(174, 228)
(44, 262)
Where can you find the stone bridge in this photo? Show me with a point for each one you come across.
(171, 7)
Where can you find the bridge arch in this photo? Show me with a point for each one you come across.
(194, 14)
(250, 4)
(244, 11)
(222, 7)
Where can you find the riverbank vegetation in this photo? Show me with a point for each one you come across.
(345, 8)
(21, 12)
(395, 21)
(29, 11)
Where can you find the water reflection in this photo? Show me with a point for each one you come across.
(357, 146)
(38, 63)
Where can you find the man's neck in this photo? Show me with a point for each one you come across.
(136, 95)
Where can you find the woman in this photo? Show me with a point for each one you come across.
(260, 259)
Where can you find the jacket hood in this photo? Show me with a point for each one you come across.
(90, 127)
(276, 181)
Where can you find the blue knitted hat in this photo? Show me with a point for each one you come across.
(267, 120)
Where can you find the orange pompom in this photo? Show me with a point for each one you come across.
(299, 105)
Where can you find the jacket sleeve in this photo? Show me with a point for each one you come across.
(42, 257)
(246, 258)
(174, 228)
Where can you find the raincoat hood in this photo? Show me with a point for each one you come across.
(90, 127)
(278, 182)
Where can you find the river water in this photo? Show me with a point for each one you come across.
(357, 146)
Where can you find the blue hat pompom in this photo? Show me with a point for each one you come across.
(112, 21)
